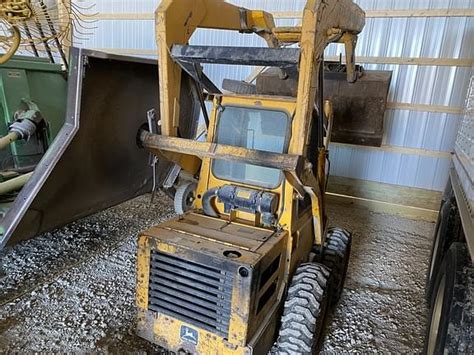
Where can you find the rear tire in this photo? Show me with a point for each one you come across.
(335, 255)
(450, 318)
(184, 197)
(447, 231)
(304, 311)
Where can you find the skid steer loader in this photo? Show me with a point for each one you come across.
(58, 157)
(252, 265)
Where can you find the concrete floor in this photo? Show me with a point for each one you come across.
(73, 289)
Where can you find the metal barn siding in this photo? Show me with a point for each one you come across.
(417, 139)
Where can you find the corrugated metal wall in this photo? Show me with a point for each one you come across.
(417, 140)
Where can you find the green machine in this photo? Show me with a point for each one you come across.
(33, 95)
(68, 140)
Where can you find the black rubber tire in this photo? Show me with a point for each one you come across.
(335, 255)
(304, 311)
(447, 231)
(184, 197)
(450, 319)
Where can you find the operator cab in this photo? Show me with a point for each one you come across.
(246, 192)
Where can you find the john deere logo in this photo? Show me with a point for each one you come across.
(189, 334)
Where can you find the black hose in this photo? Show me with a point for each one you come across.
(206, 202)
(329, 171)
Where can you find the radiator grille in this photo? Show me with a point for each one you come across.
(195, 293)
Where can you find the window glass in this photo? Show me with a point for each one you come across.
(251, 128)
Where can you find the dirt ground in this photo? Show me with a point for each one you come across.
(72, 290)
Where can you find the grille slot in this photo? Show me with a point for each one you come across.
(192, 292)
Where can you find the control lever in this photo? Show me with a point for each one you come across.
(153, 127)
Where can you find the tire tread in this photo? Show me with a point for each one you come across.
(335, 256)
(304, 310)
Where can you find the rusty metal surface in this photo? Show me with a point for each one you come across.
(94, 162)
(359, 107)
(157, 144)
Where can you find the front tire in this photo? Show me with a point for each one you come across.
(304, 310)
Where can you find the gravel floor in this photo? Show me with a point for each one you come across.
(72, 290)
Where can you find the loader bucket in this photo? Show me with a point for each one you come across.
(359, 107)
(94, 162)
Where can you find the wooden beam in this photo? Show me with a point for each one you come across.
(385, 13)
(415, 213)
(420, 13)
(391, 13)
(378, 191)
(409, 202)
(440, 62)
(425, 108)
(399, 150)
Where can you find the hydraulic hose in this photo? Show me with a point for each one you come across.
(329, 113)
(13, 48)
(14, 184)
(207, 198)
(8, 139)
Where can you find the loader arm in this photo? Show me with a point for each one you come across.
(176, 21)
(321, 20)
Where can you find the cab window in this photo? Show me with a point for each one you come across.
(251, 128)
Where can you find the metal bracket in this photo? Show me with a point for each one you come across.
(153, 124)
(153, 127)
(190, 59)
